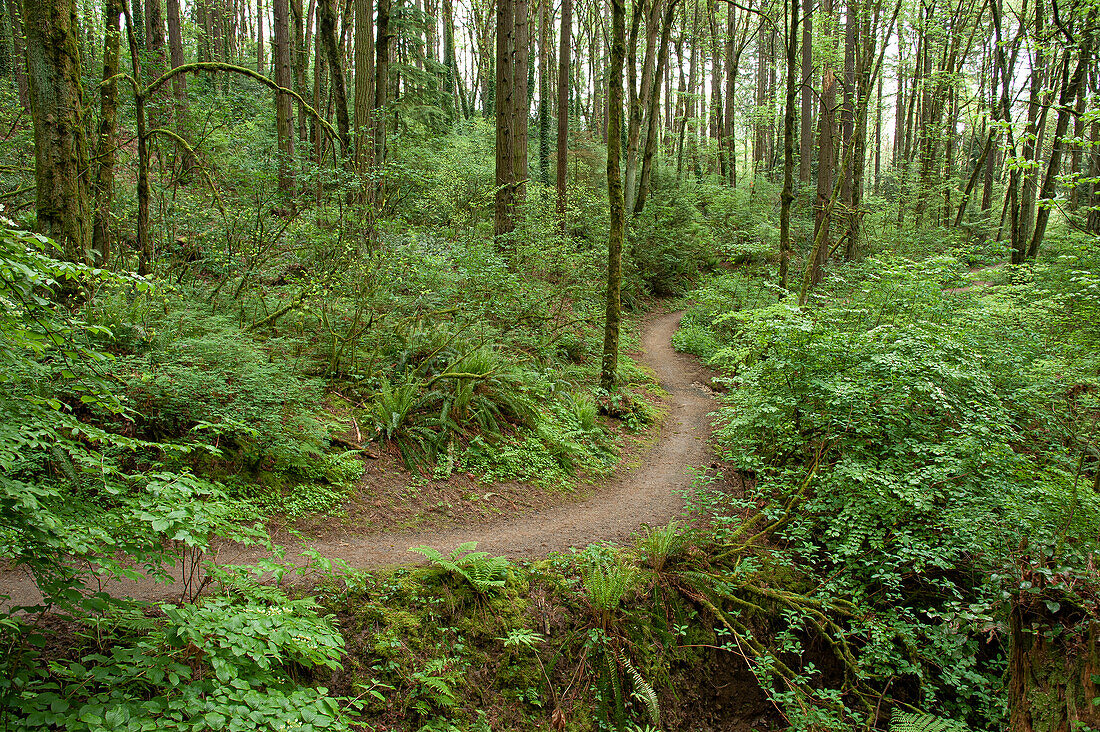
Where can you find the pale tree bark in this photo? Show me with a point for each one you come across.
(60, 147)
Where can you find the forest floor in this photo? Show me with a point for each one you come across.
(647, 488)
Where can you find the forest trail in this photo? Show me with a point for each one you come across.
(616, 508)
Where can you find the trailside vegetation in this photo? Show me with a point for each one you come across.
(278, 272)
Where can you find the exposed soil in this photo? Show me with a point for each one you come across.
(518, 525)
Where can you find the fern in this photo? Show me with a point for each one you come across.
(483, 573)
(643, 690)
(905, 722)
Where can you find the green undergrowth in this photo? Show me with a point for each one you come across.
(929, 456)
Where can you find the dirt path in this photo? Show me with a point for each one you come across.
(648, 494)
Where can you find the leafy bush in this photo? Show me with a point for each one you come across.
(213, 666)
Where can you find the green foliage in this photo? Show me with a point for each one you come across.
(213, 666)
(902, 442)
(902, 722)
(484, 574)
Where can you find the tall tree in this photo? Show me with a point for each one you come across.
(284, 115)
(544, 92)
(364, 86)
(826, 131)
(326, 13)
(104, 180)
(786, 198)
(609, 363)
(60, 146)
(653, 114)
(381, 77)
(563, 110)
(512, 106)
(18, 50)
(806, 137)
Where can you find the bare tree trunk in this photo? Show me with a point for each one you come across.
(104, 181)
(381, 77)
(511, 86)
(759, 143)
(847, 113)
(1070, 88)
(654, 113)
(60, 147)
(826, 131)
(284, 115)
(327, 17)
(639, 100)
(787, 196)
(19, 57)
(544, 92)
(261, 65)
(609, 363)
(806, 139)
(728, 145)
(563, 111)
(364, 90)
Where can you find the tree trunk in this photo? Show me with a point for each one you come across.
(364, 90)
(327, 26)
(284, 115)
(826, 131)
(261, 66)
(511, 90)
(609, 363)
(104, 181)
(728, 140)
(179, 82)
(544, 92)
(60, 146)
(563, 111)
(1068, 94)
(383, 41)
(640, 99)
(847, 114)
(787, 196)
(654, 113)
(18, 50)
(806, 139)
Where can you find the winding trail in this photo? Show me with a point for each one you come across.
(649, 494)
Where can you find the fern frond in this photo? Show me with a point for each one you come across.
(907, 722)
(643, 690)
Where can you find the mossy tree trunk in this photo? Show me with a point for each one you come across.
(60, 147)
(609, 364)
